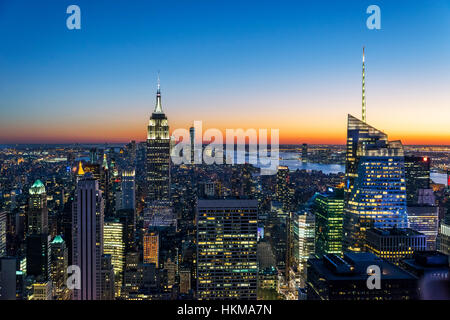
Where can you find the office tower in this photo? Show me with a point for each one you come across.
(417, 174)
(283, 190)
(7, 278)
(107, 278)
(192, 137)
(304, 152)
(394, 244)
(132, 277)
(376, 190)
(444, 238)
(59, 264)
(87, 235)
(433, 271)
(304, 225)
(336, 278)
(328, 209)
(128, 187)
(113, 245)
(3, 234)
(38, 255)
(425, 219)
(151, 248)
(37, 212)
(158, 154)
(128, 219)
(226, 249)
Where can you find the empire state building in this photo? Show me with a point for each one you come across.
(158, 154)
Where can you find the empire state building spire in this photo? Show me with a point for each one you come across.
(363, 90)
(158, 106)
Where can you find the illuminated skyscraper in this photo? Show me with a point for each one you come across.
(283, 190)
(59, 264)
(113, 245)
(304, 239)
(38, 212)
(227, 266)
(87, 234)
(128, 189)
(158, 154)
(151, 248)
(375, 183)
(2, 234)
(328, 209)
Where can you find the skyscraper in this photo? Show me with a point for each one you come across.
(283, 190)
(417, 174)
(151, 248)
(2, 234)
(328, 209)
(87, 234)
(304, 239)
(158, 154)
(227, 266)
(113, 244)
(128, 189)
(38, 212)
(304, 152)
(59, 264)
(375, 183)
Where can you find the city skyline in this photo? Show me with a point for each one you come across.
(274, 67)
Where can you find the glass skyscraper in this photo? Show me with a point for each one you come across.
(375, 183)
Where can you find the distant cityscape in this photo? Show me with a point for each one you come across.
(105, 222)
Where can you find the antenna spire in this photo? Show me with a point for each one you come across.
(363, 89)
(158, 106)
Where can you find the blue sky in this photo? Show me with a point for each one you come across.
(281, 64)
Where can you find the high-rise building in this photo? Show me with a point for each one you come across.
(59, 264)
(87, 234)
(304, 152)
(38, 212)
(394, 244)
(227, 266)
(328, 208)
(113, 245)
(151, 248)
(336, 278)
(7, 278)
(375, 183)
(128, 189)
(3, 234)
(304, 239)
(283, 190)
(425, 219)
(158, 154)
(38, 255)
(107, 278)
(417, 174)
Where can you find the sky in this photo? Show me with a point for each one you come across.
(288, 65)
